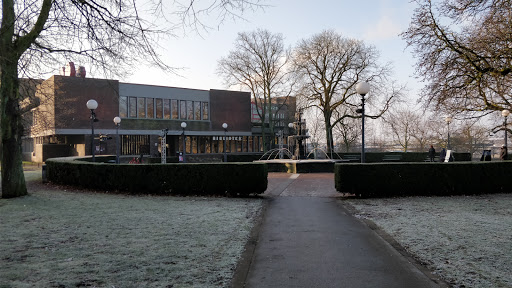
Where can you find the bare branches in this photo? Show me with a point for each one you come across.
(191, 12)
(330, 66)
(468, 65)
(38, 36)
(259, 63)
(100, 33)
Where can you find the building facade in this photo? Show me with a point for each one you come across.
(62, 126)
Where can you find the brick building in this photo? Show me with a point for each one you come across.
(61, 125)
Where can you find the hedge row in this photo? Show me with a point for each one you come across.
(176, 179)
(300, 166)
(375, 157)
(246, 157)
(204, 158)
(425, 179)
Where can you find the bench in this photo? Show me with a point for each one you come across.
(352, 158)
(392, 158)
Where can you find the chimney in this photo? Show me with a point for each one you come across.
(70, 69)
(80, 72)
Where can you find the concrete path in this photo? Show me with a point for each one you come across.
(308, 239)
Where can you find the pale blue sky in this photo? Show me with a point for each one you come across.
(377, 22)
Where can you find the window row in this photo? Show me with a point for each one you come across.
(208, 144)
(157, 108)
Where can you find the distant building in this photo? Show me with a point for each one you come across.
(61, 125)
(283, 112)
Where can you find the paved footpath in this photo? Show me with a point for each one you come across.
(308, 239)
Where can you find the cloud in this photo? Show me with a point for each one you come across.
(383, 29)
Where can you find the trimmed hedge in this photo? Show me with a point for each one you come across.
(244, 157)
(376, 157)
(310, 166)
(154, 160)
(175, 179)
(423, 179)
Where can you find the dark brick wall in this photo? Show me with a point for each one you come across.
(45, 113)
(72, 94)
(56, 150)
(158, 124)
(231, 107)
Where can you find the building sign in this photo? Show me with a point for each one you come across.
(234, 138)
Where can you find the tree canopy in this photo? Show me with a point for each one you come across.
(329, 66)
(36, 37)
(258, 63)
(464, 54)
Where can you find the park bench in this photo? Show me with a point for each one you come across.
(392, 158)
(352, 158)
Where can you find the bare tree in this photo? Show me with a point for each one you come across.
(427, 132)
(402, 123)
(471, 138)
(347, 131)
(315, 129)
(464, 52)
(36, 35)
(329, 66)
(258, 63)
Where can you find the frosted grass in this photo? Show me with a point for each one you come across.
(467, 240)
(58, 238)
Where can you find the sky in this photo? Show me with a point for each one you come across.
(376, 22)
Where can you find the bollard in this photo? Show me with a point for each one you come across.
(43, 171)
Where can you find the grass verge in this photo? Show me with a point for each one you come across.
(463, 239)
(59, 238)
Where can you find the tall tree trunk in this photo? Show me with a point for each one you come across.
(263, 118)
(272, 143)
(328, 133)
(263, 138)
(13, 180)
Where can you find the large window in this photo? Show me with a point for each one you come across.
(188, 144)
(134, 144)
(133, 107)
(207, 145)
(233, 145)
(190, 110)
(183, 109)
(123, 107)
(250, 144)
(206, 114)
(159, 108)
(197, 110)
(151, 107)
(175, 109)
(148, 107)
(167, 109)
(194, 144)
(141, 107)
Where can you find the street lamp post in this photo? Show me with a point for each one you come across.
(448, 121)
(362, 88)
(117, 121)
(280, 140)
(183, 126)
(163, 146)
(225, 126)
(505, 114)
(92, 105)
(291, 126)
